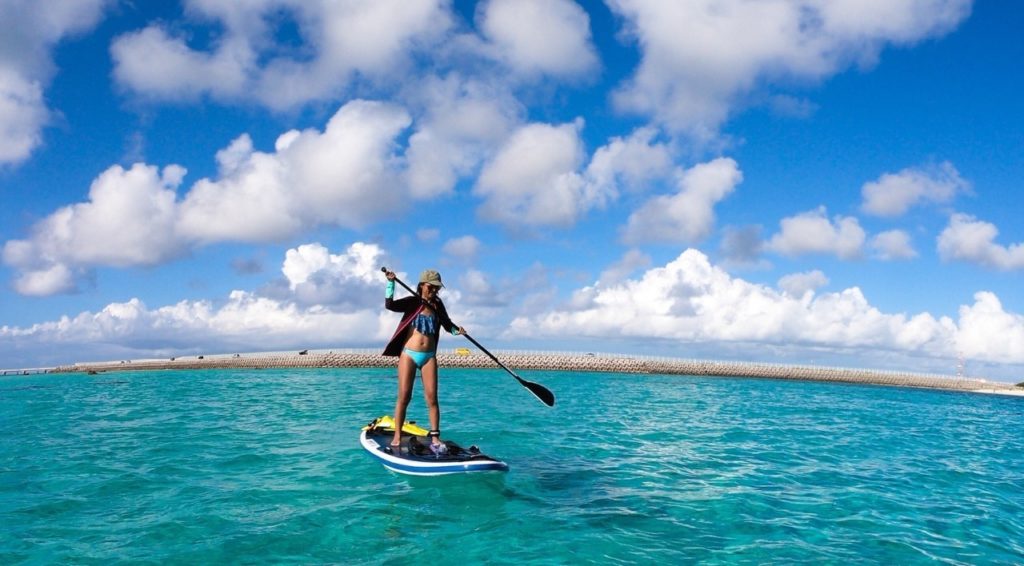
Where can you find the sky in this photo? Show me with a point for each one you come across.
(787, 181)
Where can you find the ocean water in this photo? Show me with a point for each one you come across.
(249, 467)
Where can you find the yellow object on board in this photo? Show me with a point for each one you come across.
(388, 423)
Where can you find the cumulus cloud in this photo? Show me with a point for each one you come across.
(631, 163)
(345, 176)
(687, 216)
(464, 248)
(340, 42)
(690, 300)
(41, 279)
(154, 63)
(813, 232)
(316, 276)
(30, 30)
(687, 300)
(23, 114)
(702, 59)
(893, 245)
(988, 332)
(461, 122)
(968, 239)
(480, 291)
(893, 194)
(629, 263)
(533, 37)
(534, 179)
(537, 178)
(243, 322)
(326, 300)
(129, 220)
(797, 284)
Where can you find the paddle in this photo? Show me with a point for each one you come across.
(539, 391)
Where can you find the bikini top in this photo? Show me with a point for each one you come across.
(425, 324)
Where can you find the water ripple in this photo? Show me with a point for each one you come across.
(235, 466)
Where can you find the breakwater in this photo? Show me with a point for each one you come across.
(25, 371)
(618, 363)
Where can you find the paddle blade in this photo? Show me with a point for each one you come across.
(539, 391)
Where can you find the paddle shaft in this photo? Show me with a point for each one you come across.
(541, 392)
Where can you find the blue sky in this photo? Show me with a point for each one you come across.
(786, 181)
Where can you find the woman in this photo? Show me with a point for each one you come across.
(415, 344)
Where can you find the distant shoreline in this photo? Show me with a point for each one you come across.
(619, 363)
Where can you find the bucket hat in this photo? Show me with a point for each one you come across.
(432, 277)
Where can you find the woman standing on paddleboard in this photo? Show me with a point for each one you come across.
(415, 344)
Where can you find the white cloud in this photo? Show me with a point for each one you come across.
(328, 300)
(701, 59)
(479, 290)
(988, 332)
(797, 284)
(463, 121)
(316, 276)
(244, 322)
(45, 280)
(158, 65)
(128, 220)
(346, 176)
(812, 232)
(893, 245)
(687, 216)
(339, 41)
(690, 300)
(969, 239)
(894, 193)
(629, 163)
(30, 30)
(534, 179)
(464, 248)
(631, 261)
(23, 114)
(549, 37)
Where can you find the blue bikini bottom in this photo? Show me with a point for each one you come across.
(419, 358)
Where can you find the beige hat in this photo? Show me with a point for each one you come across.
(432, 277)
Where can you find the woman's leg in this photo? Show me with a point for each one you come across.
(429, 375)
(406, 376)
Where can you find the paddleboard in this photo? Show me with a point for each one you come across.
(414, 456)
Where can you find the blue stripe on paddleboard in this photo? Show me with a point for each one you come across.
(403, 465)
(453, 469)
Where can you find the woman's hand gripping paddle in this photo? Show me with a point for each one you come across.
(539, 391)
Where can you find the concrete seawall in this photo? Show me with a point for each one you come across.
(558, 362)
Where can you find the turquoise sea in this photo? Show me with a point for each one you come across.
(251, 467)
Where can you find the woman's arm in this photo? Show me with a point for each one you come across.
(401, 305)
(446, 322)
